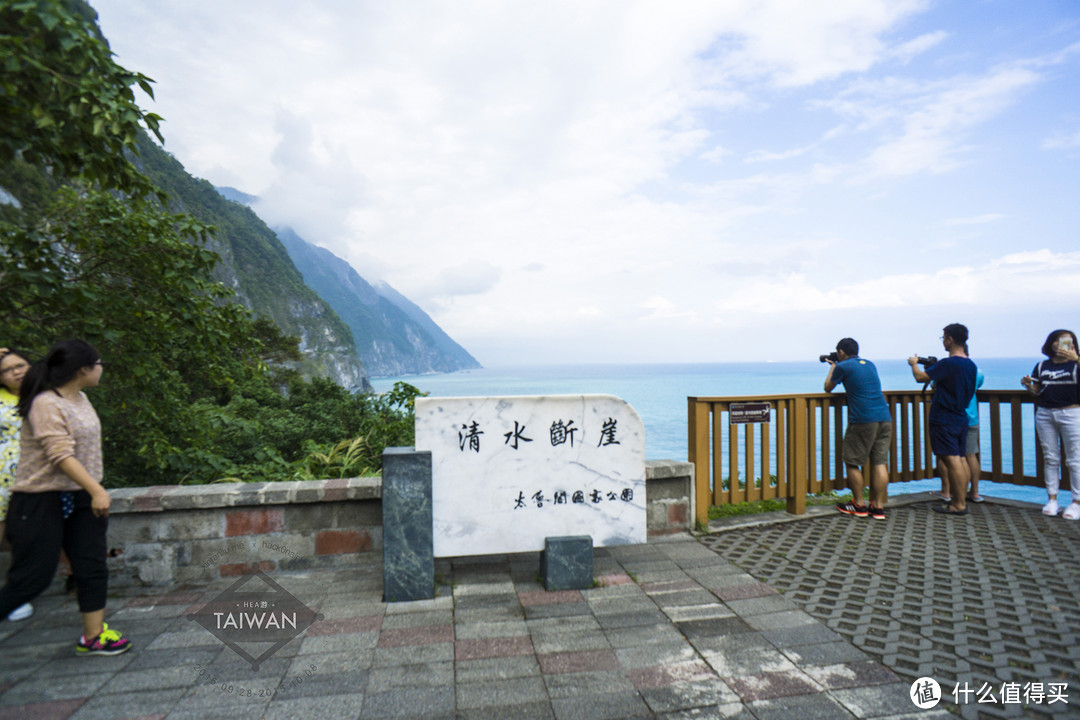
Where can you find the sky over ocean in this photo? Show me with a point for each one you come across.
(635, 181)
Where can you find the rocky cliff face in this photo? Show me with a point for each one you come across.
(257, 266)
(393, 335)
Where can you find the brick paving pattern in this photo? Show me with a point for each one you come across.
(672, 630)
(993, 597)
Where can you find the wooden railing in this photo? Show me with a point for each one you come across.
(799, 451)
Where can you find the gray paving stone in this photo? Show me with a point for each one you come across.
(712, 693)
(409, 703)
(601, 707)
(548, 642)
(818, 706)
(705, 611)
(470, 671)
(487, 630)
(828, 653)
(418, 619)
(558, 610)
(802, 635)
(327, 707)
(499, 693)
(738, 662)
(328, 644)
(421, 675)
(322, 684)
(438, 603)
(414, 654)
(781, 620)
(603, 682)
(36, 689)
(875, 701)
(532, 711)
(730, 711)
(134, 704)
(695, 596)
(636, 657)
(747, 607)
(622, 604)
(639, 635)
(632, 619)
(340, 662)
(132, 681)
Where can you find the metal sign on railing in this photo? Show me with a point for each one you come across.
(749, 412)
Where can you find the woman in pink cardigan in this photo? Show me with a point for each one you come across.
(57, 500)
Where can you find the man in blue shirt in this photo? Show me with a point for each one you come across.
(869, 430)
(954, 381)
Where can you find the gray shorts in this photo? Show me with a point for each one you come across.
(972, 440)
(863, 440)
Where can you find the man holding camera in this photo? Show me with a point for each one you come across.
(954, 381)
(869, 430)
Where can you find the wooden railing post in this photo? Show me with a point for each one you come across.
(800, 441)
(698, 453)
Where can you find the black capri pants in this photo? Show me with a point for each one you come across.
(37, 531)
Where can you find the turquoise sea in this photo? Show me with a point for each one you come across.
(658, 392)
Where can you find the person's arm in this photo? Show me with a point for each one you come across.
(99, 496)
(829, 382)
(918, 372)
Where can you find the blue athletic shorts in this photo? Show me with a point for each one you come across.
(948, 439)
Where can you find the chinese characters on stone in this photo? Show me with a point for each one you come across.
(561, 432)
(579, 497)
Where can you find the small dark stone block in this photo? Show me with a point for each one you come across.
(408, 549)
(567, 562)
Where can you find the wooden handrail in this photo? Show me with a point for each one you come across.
(799, 451)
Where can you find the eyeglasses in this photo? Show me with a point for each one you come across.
(100, 362)
(15, 368)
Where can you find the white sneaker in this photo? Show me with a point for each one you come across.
(1072, 512)
(1050, 508)
(26, 609)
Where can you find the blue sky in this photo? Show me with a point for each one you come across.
(644, 181)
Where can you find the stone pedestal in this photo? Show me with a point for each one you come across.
(408, 559)
(566, 563)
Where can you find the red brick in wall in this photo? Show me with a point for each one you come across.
(338, 542)
(254, 522)
(237, 569)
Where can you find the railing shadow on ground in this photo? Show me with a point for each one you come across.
(799, 449)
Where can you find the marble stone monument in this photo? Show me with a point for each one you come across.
(508, 472)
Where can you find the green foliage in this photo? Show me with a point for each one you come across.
(195, 389)
(64, 102)
(761, 506)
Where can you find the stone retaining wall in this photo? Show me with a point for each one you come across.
(167, 534)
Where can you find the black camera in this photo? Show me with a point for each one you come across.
(926, 361)
(831, 356)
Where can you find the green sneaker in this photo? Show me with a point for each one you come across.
(109, 642)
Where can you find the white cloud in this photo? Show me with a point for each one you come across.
(1024, 275)
(556, 178)
(1062, 142)
(975, 220)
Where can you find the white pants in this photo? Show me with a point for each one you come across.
(1054, 426)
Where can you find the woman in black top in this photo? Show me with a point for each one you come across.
(1056, 382)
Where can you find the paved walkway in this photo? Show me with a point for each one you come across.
(673, 630)
(826, 617)
(990, 601)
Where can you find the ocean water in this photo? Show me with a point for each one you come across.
(659, 391)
